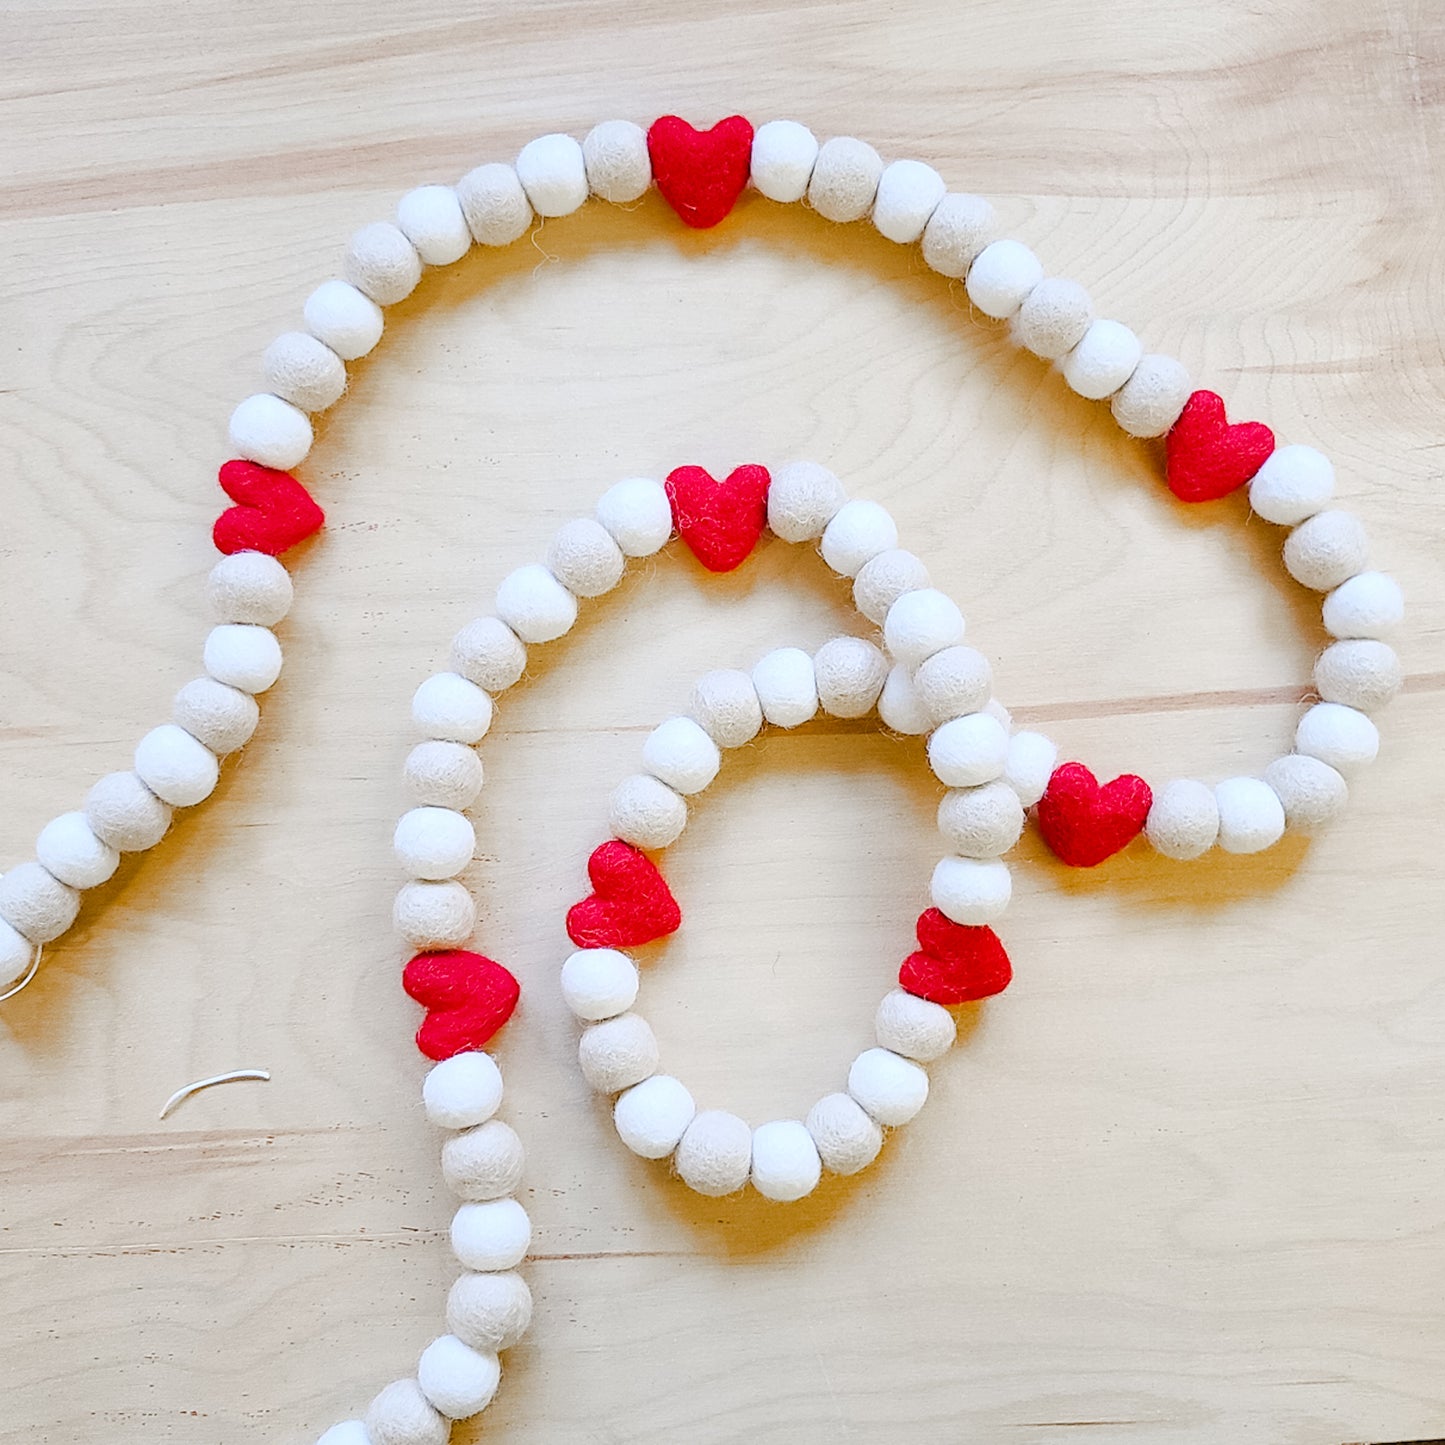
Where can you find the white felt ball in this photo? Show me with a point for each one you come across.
(846, 1135)
(845, 179)
(432, 220)
(494, 203)
(785, 1161)
(637, 513)
(715, 1153)
(849, 673)
(126, 814)
(969, 750)
(402, 1415)
(786, 686)
(584, 558)
(221, 717)
(1369, 604)
(1001, 276)
(803, 498)
(784, 153)
(921, 623)
(489, 1311)
(858, 532)
(433, 843)
(914, 1027)
(1341, 736)
(617, 1053)
(1029, 765)
(1312, 792)
(36, 904)
(891, 1088)
(535, 605)
(619, 168)
(1295, 482)
(726, 703)
(485, 1162)
(270, 431)
(458, 1380)
(68, 849)
(971, 891)
(999, 713)
(908, 194)
(443, 775)
(1326, 549)
(1103, 360)
(1150, 402)
(175, 767)
(1183, 820)
(463, 1090)
(645, 812)
(381, 263)
(487, 652)
(242, 655)
(652, 1116)
(17, 953)
(981, 822)
(1358, 672)
(599, 983)
(954, 681)
(1251, 816)
(682, 755)
(448, 707)
(883, 579)
(899, 704)
(249, 587)
(491, 1235)
(304, 371)
(348, 322)
(959, 229)
(553, 172)
(434, 915)
(348, 1432)
(1053, 318)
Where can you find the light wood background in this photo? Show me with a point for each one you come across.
(1184, 1182)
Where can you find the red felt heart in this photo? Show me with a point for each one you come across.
(720, 521)
(1206, 457)
(630, 902)
(468, 999)
(954, 963)
(273, 512)
(700, 173)
(1085, 823)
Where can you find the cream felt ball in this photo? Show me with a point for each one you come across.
(908, 194)
(434, 915)
(381, 263)
(265, 429)
(652, 1116)
(348, 1432)
(1294, 483)
(584, 558)
(899, 704)
(803, 498)
(968, 750)
(1001, 276)
(638, 515)
(463, 1090)
(849, 674)
(36, 904)
(402, 1415)
(619, 168)
(1359, 672)
(249, 587)
(599, 983)
(857, 533)
(553, 173)
(69, 851)
(485, 1162)
(617, 1053)
(443, 774)
(883, 579)
(433, 843)
(17, 953)
(243, 656)
(1368, 605)
(715, 1153)
(845, 179)
(1326, 549)
(784, 152)
(491, 1235)
(1030, 764)
(971, 891)
(487, 652)
(348, 322)
(960, 227)
(644, 811)
(785, 1161)
(680, 753)
(913, 1027)
(304, 371)
(431, 219)
(726, 703)
(535, 605)
(983, 821)
(489, 1311)
(221, 717)
(175, 767)
(787, 687)
(1341, 736)
(1150, 402)
(1311, 792)
(1103, 360)
(1183, 819)
(954, 681)
(847, 1137)
(448, 707)
(494, 203)
(1251, 816)
(1053, 318)
(891, 1088)
(126, 814)
(921, 623)
(458, 1380)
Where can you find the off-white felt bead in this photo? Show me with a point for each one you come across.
(243, 655)
(1053, 318)
(1369, 604)
(846, 1136)
(381, 263)
(803, 498)
(845, 179)
(1358, 672)
(954, 681)
(921, 623)
(433, 843)
(899, 704)
(1312, 792)
(971, 891)
(348, 1432)
(681, 754)
(448, 707)
(1029, 765)
(913, 1027)
(883, 579)
(1103, 360)
(584, 558)
(1150, 402)
(849, 674)
(36, 904)
(908, 194)
(969, 750)
(304, 371)
(487, 652)
(1295, 482)
(958, 230)
(553, 172)
(494, 203)
(715, 1153)
(126, 814)
(458, 1380)
(726, 703)
(491, 1235)
(784, 153)
(1002, 275)
(652, 1116)
(69, 851)
(348, 322)
(1340, 736)
(249, 587)
(785, 1161)
(786, 686)
(1251, 816)
(489, 1311)
(221, 717)
(431, 219)
(999, 713)
(265, 429)
(463, 1090)
(535, 605)
(434, 915)
(981, 822)
(637, 514)
(891, 1088)
(1183, 819)
(619, 168)
(485, 1162)
(599, 983)
(1326, 549)
(175, 767)
(443, 775)
(645, 812)
(858, 532)
(402, 1415)
(617, 1053)
(17, 953)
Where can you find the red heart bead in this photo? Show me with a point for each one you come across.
(720, 521)
(1085, 823)
(468, 998)
(273, 512)
(954, 963)
(700, 173)
(1206, 457)
(630, 902)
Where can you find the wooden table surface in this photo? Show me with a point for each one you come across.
(1184, 1182)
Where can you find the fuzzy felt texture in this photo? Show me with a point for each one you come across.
(1085, 823)
(468, 998)
(954, 963)
(700, 173)
(630, 902)
(273, 510)
(1207, 457)
(720, 521)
